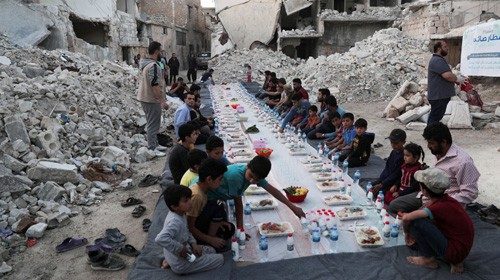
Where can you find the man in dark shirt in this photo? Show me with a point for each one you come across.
(392, 170)
(440, 81)
(192, 66)
(207, 77)
(297, 87)
(174, 65)
(177, 160)
(178, 89)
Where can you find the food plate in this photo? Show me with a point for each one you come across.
(367, 236)
(262, 203)
(275, 229)
(311, 159)
(239, 144)
(238, 159)
(329, 186)
(337, 199)
(322, 176)
(231, 129)
(297, 152)
(240, 152)
(316, 167)
(351, 213)
(255, 190)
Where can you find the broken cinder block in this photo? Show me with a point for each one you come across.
(50, 171)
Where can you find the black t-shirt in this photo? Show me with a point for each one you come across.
(205, 76)
(438, 87)
(177, 162)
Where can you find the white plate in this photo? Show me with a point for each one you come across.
(240, 152)
(316, 167)
(255, 190)
(254, 203)
(320, 178)
(349, 215)
(298, 152)
(240, 159)
(360, 235)
(311, 159)
(332, 186)
(287, 226)
(336, 199)
(238, 145)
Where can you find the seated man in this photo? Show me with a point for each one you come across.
(177, 160)
(207, 220)
(274, 93)
(182, 114)
(268, 86)
(195, 157)
(451, 159)
(286, 96)
(202, 122)
(178, 88)
(299, 109)
(215, 149)
(237, 179)
(297, 88)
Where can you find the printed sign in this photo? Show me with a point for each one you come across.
(481, 50)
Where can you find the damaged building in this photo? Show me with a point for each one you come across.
(311, 28)
(107, 29)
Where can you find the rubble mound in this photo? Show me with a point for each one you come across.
(368, 12)
(373, 69)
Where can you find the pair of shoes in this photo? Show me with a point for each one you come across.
(101, 260)
(147, 181)
(146, 224)
(138, 211)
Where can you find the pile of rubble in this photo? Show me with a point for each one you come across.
(68, 128)
(306, 31)
(378, 13)
(372, 70)
(411, 107)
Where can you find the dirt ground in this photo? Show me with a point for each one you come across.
(42, 262)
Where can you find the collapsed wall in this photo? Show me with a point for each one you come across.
(373, 69)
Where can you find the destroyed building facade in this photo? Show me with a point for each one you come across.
(107, 29)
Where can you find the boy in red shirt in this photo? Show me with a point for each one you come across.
(311, 121)
(442, 229)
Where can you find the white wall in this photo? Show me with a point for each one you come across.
(98, 10)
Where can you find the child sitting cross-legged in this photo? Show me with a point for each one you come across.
(360, 151)
(177, 242)
(442, 229)
(195, 157)
(309, 123)
(343, 143)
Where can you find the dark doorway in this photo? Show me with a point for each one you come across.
(95, 33)
(307, 48)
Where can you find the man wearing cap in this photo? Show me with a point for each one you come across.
(451, 159)
(391, 174)
(442, 229)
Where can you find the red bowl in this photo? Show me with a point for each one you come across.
(235, 106)
(296, 198)
(264, 152)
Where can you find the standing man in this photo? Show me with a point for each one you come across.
(192, 66)
(453, 160)
(440, 82)
(174, 65)
(182, 114)
(151, 94)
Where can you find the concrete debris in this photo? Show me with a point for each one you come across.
(50, 191)
(419, 126)
(51, 171)
(144, 154)
(36, 231)
(4, 60)
(113, 155)
(362, 13)
(306, 31)
(372, 70)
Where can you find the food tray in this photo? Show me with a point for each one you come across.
(299, 152)
(255, 200)
(332, 186)
(337, 202)
(341, 217)
(238, 159)
(360, 235)
(255, 190)
(315, 167)
(311, 159)
(288, 230)
(320, 178)
(238, 145)
(240, 152)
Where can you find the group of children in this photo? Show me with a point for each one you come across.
(196, 229)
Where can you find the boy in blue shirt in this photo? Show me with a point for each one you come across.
(349, 132)
(237, 179)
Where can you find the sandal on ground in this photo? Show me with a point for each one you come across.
(100, 260)
(138, 211)
(131, 201)
(149, 180)
(71, 243)
(146, 224)
(129, 250)
(114, 235)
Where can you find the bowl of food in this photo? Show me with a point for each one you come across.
(264, 152)
(235, 105)
(296, 194)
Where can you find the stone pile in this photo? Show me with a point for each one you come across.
(373, 69)
(362, 13)
(60, 112)
(306, 31)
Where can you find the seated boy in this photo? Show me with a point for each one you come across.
(442, 229)
(194, 158)
(335, 121)
(298, 110)
(177, 159)
(343, 144)
(311, 121)
(237, 179)
(215, 149)
(391, 174)
(361, 145)
(325, 126)
(177, 241)
(207, 219)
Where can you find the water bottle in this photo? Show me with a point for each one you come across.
(334, 239)
(263, 249)
(242, 239)
(345, 166)
(235, 251)
(230, 214)
(386, 230)
(348, 190)
(304, 222)
(315, 238)
(336, 157)
(357, 176)
(247, 212)
(381, 196)
(394, 235)
(369, 187)
(290, 247)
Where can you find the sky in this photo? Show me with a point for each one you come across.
(207, 3)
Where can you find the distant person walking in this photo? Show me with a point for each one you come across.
(440, 82)
(192, 66)
(174, 65)
(151, 94)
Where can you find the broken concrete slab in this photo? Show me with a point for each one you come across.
(15, 129)
(12, 184)
(399, 103)
(48, 141)
(14, 164)
(293, 6)
(460, 116)
(113, 155)
(50, 191)
(36, 231)
(4, 60)
(482, 116)
(105, 187)
(50, 171)
(418, 126)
